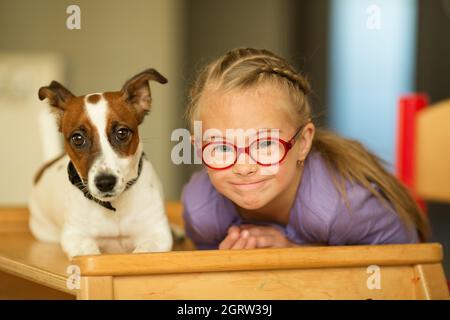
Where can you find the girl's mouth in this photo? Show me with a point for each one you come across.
(249, 186)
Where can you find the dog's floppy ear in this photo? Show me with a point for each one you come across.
(57, 96)
(136, 91)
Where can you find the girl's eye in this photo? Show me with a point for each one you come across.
(223, 148)
(78, 140)
(265, 144)
(123, 134)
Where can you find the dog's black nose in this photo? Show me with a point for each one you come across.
(105, 182)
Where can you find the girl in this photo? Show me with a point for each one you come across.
(286, 183)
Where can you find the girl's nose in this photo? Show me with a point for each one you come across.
(245, 165)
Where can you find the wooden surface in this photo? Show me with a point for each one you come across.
(260, 259)
(320, 283)
(17, 288)
(433, 152)
(96, 288)
(30, 269)
(21, 255)
(430, 279)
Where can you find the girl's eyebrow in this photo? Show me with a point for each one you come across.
(270, 129)
(207, 137)
(259, 131)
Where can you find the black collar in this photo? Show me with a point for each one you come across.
(76, 180)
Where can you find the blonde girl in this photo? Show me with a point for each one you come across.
(286, 183)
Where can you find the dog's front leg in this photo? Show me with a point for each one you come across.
(74, 243)
(157, 241)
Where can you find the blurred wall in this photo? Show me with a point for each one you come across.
(117, 39)
(433, 49)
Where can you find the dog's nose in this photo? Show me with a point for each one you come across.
(105, 182)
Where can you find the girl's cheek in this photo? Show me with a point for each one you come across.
(286, 171)
(217, 177)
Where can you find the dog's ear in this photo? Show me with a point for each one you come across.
(57, 96)
(136, 91)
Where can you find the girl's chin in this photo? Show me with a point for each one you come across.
(250, 203)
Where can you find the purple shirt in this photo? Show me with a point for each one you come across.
(319, 214)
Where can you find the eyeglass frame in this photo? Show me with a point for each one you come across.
(239, 150)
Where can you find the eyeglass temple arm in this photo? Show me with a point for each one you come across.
(291, 142)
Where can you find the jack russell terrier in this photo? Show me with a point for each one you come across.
(103, 195)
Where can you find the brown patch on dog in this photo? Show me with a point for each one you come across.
(76, 119)
(94, 98)
(122, 114)
(45, 166)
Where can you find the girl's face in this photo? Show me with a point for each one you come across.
(259, 109)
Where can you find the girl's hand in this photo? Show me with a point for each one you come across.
(249, 236)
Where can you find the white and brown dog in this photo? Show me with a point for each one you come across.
(103, 195)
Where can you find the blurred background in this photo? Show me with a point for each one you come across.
(359, 55)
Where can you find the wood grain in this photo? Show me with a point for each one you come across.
(258, 259)
(432, 165)
(330, 283)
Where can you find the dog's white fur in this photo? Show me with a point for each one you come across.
(61, 213)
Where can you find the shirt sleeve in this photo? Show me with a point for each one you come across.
(199, 214)
(201, 238)
(369, 221)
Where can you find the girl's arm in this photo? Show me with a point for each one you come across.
(200, 236)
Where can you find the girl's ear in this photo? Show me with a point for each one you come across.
(306, 139)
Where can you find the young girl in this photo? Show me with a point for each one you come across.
(287, 183)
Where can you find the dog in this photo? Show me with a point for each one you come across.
(102, 195)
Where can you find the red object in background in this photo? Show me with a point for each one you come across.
(408, 107)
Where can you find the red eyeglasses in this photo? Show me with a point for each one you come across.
(267, 151)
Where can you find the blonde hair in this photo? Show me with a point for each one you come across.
(346, 159)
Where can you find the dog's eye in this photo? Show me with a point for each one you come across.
(123, 134)
(78, 140)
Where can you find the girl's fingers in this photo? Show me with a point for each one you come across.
(233, 229)
(248, 236)
(242, 241)
(229, 241)
(251, 243)
(264, 242)
(255, 231)
(261, 231)
(258, 231)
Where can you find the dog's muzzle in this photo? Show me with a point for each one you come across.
(105, 182)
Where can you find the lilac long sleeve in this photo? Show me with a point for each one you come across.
(319, 214)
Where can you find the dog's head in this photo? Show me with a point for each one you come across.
(101, 131)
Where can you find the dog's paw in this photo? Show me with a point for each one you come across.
(85, 247)
(152, 246)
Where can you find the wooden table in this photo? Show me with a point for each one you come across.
(33, 270)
